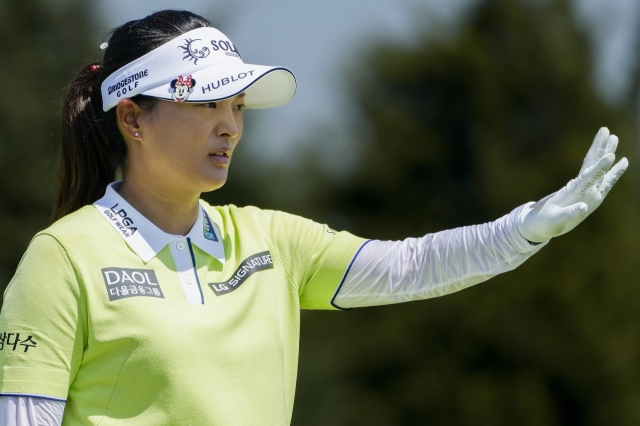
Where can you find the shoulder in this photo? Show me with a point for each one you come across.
(250, 219)
(275, 223)
(244, 216)
(84, 226)
(48, 258)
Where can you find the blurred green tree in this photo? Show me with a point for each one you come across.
(41, 43)
(464, 130)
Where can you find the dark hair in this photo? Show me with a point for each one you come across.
(92, 152)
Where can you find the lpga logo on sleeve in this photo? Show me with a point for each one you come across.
(123, 282)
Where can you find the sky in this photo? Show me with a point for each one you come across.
(323, 41)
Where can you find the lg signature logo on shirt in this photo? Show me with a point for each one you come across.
(122, 283)
(251, 265)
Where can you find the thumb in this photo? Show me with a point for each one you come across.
(567, 218)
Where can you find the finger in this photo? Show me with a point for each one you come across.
(613, 175)
(592, 175)
(611, 145)
(609, 148)
(566, 218)
(597, 149)
(599, 141)
(577, 211)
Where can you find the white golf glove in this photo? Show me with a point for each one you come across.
(562, 211)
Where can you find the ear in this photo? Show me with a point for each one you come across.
(173, 83)
(128, 116)
(193, 82)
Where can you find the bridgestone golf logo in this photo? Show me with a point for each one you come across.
(122, 283)
(128, 84)
(251, 265)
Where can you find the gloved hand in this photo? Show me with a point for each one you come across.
(562, 211)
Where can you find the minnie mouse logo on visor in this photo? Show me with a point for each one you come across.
(195, 50)
(181, 87)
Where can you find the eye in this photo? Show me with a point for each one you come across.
(239, 107)
(210, 105)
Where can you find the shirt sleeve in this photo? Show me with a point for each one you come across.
(42, 324)
(30, 411)
(386, 272)
(315, 256)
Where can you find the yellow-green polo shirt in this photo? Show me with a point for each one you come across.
(133, 326)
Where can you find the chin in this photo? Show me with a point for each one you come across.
(207, 179)
(212, 185)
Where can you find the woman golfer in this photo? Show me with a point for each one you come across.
(144, 305)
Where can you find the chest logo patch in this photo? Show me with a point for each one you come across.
(249, 266)
(122, 283)
(207, 227)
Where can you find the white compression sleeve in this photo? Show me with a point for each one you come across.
(386, 272)
(30, 411)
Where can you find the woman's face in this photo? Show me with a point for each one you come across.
(186, 146)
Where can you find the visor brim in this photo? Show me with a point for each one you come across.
(263, 86)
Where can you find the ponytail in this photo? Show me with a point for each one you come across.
(89, 157)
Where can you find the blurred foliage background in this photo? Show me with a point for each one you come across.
(457, 130)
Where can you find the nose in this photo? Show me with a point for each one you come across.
(227, 126)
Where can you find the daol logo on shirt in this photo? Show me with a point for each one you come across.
(123, 282)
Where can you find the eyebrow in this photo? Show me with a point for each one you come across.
(241, 95)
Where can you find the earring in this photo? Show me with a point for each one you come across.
(137, 134)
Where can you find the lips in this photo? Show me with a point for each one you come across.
(221, 156)
(222, 151)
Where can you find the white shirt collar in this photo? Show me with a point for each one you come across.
(145, 238)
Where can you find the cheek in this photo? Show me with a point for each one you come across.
(178, 140)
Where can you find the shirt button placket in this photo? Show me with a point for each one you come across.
(186, 270)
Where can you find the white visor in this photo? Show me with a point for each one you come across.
(199, 66)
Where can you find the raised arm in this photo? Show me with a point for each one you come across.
(386, 272)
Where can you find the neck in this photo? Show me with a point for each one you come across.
(173, 212)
